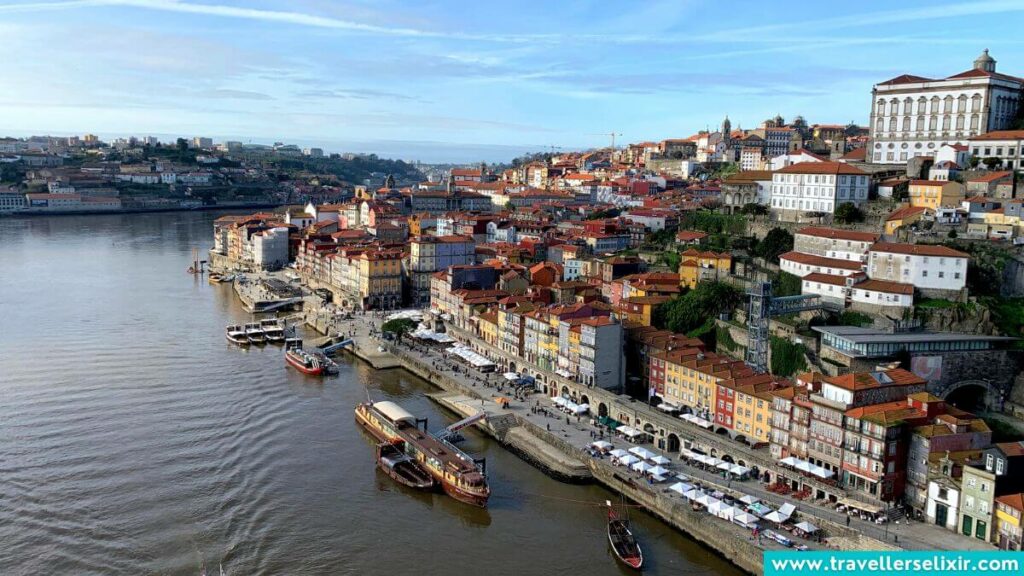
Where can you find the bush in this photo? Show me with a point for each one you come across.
(691, 311)
(787, 358)
(778, 241)
(786, 284)
(399, 327)
(848, 213)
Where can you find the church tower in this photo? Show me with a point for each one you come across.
(985, 62)
(726, 128)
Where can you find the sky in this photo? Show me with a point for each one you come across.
(438, 80)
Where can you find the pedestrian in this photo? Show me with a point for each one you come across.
(847, 519)
(548, 425)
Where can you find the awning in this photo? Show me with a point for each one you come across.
(787, 510)
(659, 459)
(660, 471)
(511, 376)
(601, 444)
(775, 517)
(657, 478)
(744, 519)
(680, 487)
(641, 466)
(821, 472)
(618, 453)
(724, 465)
(559, 401)
(803, 466)
(807, 527)
(666, 407)
(628, 459)
(691, 494)
(738, 470)
(641, 452)
(705, 500)
(748, 500)
(789, 461)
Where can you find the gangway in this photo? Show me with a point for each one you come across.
(452, 431)
(261, 307)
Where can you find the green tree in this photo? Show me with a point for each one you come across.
(787, 358)
(786, 284)
(754, 209)
(694, 309)
(399, 327)
(951, 234)
(992, 162)
(776, 242)
(848, 213)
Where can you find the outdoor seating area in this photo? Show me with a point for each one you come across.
(717, 465)
(641, 460)
(806, 467)
(569, 407)
(474, 359)
(632, 435)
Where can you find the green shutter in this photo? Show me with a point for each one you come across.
(967, 526)
(979, 530)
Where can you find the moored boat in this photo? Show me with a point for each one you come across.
(303, 361)
(402, 468)
(254, 333)
(459, 475)
(236, 335)
(622, 541)
(272, 330)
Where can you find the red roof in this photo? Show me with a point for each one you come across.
(856, 154)
(992, 177)
(821, 261)
(1000, 135)
(905, 212)
(822, 168)
(835, 234)
(885, 286)
(826, 279)
(917, 250)
(907, 79)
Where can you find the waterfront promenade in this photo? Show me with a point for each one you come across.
(364, 328)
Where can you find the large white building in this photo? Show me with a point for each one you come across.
(914, 116)
(1006, 145)
(816, 187)
(927, 267)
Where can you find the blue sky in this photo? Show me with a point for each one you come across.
(466, 81)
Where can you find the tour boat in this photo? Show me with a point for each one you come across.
(402, 467)
(236, 335)
(254, 333)
(459, 475)
(272, 330)
(303, 361)
(622, 541)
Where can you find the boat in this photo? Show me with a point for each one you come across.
(254, 333)
(215, 278)
(402, 468)
(236, 335)
(459, 475)
(272, 330)
(622, 541)
(303, 361)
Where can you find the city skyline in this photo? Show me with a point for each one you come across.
(441, 82)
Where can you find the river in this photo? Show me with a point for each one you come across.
(135, 440)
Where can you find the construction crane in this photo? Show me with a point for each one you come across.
(611, 134)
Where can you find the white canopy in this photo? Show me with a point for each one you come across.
(789, 461)
(717, 507)
(724, 465)
(807, 527)
(641, 452)
(558, 400)
(660, 471)
(727, 513)
(659, 459)
(749, 500)
(738, 470)
(570, 406)
(706, 500)
(821, 472)
(582, 408)
(666, 407)
(511, 376)
(618, 453)
(691, 494)
(680, 487)
(803, 466)
(775, 517)
(601, 444)
(787, 510)
(467, 354)
(657, 478)
(686, 452)
(628, 459)
(641, 466)
(745, 520)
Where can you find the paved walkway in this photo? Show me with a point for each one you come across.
(577, 431)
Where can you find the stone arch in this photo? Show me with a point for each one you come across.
(584, 399)
(672, 443)
(721, 430)
(649, 428)
(565, 390)
(602, 410)
(511, 366)
(728, 458)
(972, 395)
(741, 462)
(741, 438)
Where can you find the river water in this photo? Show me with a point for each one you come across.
(135, 440)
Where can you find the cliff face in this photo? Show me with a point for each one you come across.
(970, 318)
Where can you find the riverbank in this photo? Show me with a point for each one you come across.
(246, 206)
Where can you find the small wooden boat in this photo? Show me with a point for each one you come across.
(403, 468)
(272, 330)
(622, 541)
(303, 362)
(236, 335)
(254, 333)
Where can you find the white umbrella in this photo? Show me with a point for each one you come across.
(738, 470)
(658, 470)
(679, 487)
(807, 527)
(641, 452)
(659, 459)
(717, 507)
(789, 461)
(707, 500)
(601, 444)
(618, 453)
(511, 376)
(775, 517)
(744, 519)
(749, 500)
(724, 466)
(628, 459)
(804, 466)
(657, 478)
(691, 494)
(641, 466)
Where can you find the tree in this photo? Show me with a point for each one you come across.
(778, 241)
(697, 307)
(787, 358)
(787, 284)
(992, 162)
(399, 327)
(951, 233)
(848, 213)
(754, 209)
(182, 145)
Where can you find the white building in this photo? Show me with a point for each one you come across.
(270, 248)
(914, 116)
(816, 187)
(800, 264)
(883, 293)
(11, 201)
(927, 267)
(834, 243)
(943, 507)
(788, 159)
(1007, 145)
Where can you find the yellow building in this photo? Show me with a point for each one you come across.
(697, 266)
(691, 381)
(752, 408)
(903, 217)
(380, 279)
(1009, 510)
(640, 309)
(487, 324)
(935, 193)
